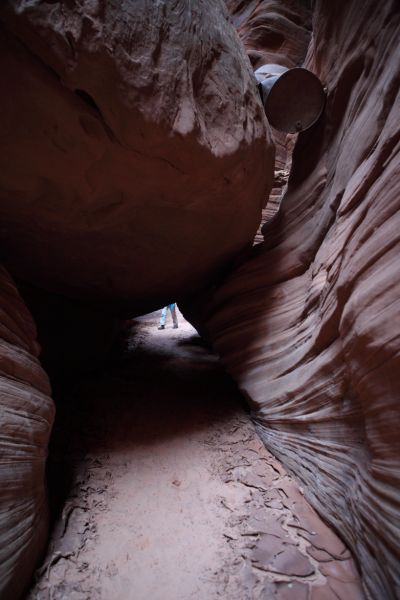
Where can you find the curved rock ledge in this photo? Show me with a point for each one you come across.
(271, 31)
(26, 417)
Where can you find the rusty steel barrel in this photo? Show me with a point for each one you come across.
(293, 99)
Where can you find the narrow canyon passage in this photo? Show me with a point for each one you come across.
(169, 493)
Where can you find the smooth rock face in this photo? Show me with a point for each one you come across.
(271, 31)
(132, 136)
(26, 416)
(309, 326)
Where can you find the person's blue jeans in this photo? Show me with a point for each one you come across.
(164, 311)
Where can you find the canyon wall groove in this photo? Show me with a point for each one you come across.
(308, 325)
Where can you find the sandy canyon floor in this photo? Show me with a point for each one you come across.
(165, 491)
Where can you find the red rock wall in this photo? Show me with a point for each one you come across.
(274, 32)
(132, 135)
(309, 325)
(26, 416)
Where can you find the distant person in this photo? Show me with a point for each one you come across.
(163, 317)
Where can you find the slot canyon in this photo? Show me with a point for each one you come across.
(251, 451)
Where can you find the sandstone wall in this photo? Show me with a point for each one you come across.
(26, 416)
(274, 32)
(309, 324)
(132, 135)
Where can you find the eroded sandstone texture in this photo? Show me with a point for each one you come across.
(274, 32)
(132, 136)
(26, 416)
(309, 326)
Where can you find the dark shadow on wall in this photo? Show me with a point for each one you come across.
(74, 337)
(146, 395)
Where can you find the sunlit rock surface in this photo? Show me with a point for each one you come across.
(132, 136)
(26, 416)
(309, 325)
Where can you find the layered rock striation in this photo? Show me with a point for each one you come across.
(26, 416)
(132, 135)
(309, 324)
(136, 160)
